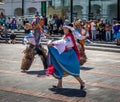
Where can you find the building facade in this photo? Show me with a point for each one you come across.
(82, 9)
(16, 7)
(89, 9)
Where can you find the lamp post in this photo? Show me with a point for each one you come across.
(22, 7)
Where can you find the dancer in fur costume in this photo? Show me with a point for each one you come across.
(34, 47)
(80, 35)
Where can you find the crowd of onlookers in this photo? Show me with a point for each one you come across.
(97, 29)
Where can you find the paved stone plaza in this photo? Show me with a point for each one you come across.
(101, 74)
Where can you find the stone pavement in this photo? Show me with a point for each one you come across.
(101, 74)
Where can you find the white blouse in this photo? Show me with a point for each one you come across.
(62, 44)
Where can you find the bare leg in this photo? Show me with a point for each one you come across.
(59, 84)
(82, 83)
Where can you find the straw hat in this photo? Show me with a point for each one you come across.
(28, 26)
(76, 23)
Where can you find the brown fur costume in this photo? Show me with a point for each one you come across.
(80, 43)
(27, 58)
(83, 57)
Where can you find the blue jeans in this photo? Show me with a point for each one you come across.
(108, 35)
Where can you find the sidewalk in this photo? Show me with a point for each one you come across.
(101, 73)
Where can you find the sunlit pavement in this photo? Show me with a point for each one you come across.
(101, 74)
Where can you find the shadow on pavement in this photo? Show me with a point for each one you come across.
(43, 72)
(38, 73)
(69, 92)
(85, 68)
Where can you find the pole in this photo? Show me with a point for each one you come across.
(89, 10)
(43, 8)
(22, 7)
(118, 10)
(71, 9)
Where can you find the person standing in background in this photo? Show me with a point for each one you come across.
(19, 24)
(13, 24)
(93, 30)
(8, 22)
(108, 29)
(101, 28)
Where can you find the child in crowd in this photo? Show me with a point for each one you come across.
(12, 38)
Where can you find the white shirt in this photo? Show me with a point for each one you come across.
(77, 35)
(8, 21)
(31, 39)
(93, 26)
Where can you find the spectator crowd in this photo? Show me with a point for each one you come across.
(99, 30)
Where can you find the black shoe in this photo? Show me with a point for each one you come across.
(56, 87)
(82, 87)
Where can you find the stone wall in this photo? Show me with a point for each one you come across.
(59, 12)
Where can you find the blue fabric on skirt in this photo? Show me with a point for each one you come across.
(118, 35)
(65, 62)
